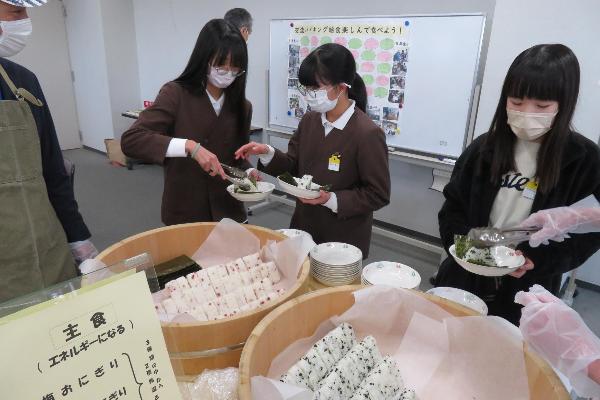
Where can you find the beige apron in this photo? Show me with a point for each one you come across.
(34, 252)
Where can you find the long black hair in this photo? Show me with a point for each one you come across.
(543, 72)
(217, 41)
(333, 64)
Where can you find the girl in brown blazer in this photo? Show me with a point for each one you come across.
(197, 121)
(338, 144)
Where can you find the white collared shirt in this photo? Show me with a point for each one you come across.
(177, 146)
(339, 124)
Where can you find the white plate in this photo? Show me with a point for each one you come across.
(292, 233)
(297, 192)
(503, 255)
(337, 282)
(460, 296)
(392, 274)
(265, 189)
(336, 254)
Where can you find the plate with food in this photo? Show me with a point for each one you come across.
(252, 191)
(303, 188)
(485, 261)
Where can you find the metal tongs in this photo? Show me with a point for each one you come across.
(237, 176)
(490, 237)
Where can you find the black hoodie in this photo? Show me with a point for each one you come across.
(470, 195)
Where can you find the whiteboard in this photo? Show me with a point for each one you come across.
(440, 84)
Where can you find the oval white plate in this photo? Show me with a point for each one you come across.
(391, 274)
(336, 254)
(265, 189)
(503, 256)
(292, 233)
(297, 192)
(460, 296)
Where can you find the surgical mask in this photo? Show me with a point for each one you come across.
(221, 80)
(320, 102)
(530, 126)
(14, 36)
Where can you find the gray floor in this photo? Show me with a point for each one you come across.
(117, 203)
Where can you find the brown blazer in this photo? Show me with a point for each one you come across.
(190, 194)
(362, 184)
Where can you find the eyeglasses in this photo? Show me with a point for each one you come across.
(312, 93)
(224, 71)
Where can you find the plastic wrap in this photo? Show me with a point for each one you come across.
(220, 384)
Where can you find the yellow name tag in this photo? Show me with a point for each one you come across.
(334, 162)
(530, 190)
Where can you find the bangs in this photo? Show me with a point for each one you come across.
(312, 71)
(233, 48)
(536, 81)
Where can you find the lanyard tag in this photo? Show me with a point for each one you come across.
(334, 162)
(530, 190)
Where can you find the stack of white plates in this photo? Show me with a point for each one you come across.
(391, 274)
(336, 264)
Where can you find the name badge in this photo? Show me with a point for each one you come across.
(530, 190)
(334, 162)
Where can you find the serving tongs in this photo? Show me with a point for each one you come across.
(238, 177)
(490, 237)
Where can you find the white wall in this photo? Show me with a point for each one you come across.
(102, 45)
(47, 55)
(88, 61)
(121, 61)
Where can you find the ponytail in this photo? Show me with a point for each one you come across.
(358, 92)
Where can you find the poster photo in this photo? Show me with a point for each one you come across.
(380, 49)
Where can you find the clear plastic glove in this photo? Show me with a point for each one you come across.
(558, 333)
(83, 250)
(557, 223)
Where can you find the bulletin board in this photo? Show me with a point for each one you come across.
(421, 74)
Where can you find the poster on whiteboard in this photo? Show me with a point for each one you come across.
(381, 50)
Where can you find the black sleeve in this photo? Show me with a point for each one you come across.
(60, 190)
(452, 217)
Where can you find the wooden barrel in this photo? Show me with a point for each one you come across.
(300, 317)
(194, 347)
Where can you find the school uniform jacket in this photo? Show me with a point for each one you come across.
(470, 195)
(362, 184)
(190, 194)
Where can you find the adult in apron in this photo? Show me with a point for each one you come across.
(34, 252)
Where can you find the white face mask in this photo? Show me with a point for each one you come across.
(530, 126)
(221, 81)
(14, 36)
(321, 103)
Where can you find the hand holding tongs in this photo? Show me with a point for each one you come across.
(489, 237)
(237, 176)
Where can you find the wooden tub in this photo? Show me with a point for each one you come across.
(301, 316)
(194, 347)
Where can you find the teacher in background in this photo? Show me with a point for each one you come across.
(241, 19)
(197, 121)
